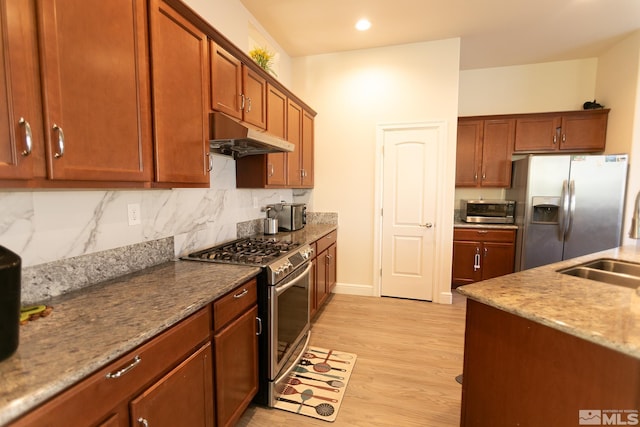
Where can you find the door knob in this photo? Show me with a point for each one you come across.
(426, 225)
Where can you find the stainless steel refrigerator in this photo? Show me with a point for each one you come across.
(567, 206)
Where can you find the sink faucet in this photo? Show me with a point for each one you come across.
(634, 233)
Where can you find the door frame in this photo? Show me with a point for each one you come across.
(444, 213)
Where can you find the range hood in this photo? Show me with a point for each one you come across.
(232, 138)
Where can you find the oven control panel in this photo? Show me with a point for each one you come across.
(287, 264)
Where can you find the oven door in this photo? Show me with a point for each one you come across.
(289, 302)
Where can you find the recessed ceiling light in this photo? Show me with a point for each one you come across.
(363, 25)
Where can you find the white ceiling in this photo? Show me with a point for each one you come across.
(493, 32)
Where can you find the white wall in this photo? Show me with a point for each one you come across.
(353, 92)
(618, 87)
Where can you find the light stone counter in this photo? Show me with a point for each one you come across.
(95, 325)
(604, 314)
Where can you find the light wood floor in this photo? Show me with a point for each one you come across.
(409, 353)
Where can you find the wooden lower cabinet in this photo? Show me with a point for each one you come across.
(181, 398)
(103, 398)
(236, 353)
(521, 373)
(325, 270)
(480, 254)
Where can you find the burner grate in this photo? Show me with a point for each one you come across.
(253, 251)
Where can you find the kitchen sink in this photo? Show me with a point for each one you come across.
(611, 271)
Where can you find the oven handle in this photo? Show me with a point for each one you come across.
(280, 289)
(298, 358)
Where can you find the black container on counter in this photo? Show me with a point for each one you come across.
(10, 271)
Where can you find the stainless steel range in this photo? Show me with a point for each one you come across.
(284, 301)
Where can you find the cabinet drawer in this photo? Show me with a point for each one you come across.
(234, 303)
(484, 235)
(101, 392)
(326, 241)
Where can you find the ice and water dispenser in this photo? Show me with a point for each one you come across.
(546, 210)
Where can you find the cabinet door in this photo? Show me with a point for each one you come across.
(322, 287)
(468, 152)
(497, 259)
(180, 91)
(21, 155)
(584, 131)
(537, 133)
(183, 397)
(307, 149)
(95, 76)
(331, 268)
(255, 92)
(226, 82)
(497, 146)
(276, 125)
(236, 368)
(294, 136)
(466, 262)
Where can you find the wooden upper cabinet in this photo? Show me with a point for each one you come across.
(22, 145)
(180, 98)
(95, 78)
(307, 149)
(294, 136)
(226, 82)
(573, 131)
(236, 89)
(276, 125)
(468, 152)
(497, 146)
(483, 156)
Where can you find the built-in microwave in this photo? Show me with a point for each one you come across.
(488, 211)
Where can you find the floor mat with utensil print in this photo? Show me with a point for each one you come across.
(317, 384)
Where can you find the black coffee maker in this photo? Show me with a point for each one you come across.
(10, 271)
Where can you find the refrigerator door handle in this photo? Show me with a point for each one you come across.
(571, 209)
(564, 210)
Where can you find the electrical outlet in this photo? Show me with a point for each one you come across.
(133, 212)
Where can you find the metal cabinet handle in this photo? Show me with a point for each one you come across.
(482, 231)
(555, 139)
(143, 422)
(271, 169)
(486, 251)
(210, 162)
(564, 138)
(475, 177)
(259, 320)
(126, 369)
(28, 140)
(242, 293)
(476, 260)
(60, 152)
(484, 175)
(242, 101)
(249, 107)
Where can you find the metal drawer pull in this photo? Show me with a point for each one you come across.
(126, 369)
(476, 260)
(482, 231)
(143, 422)
(241, 294)
(60, 152)
(259, 320)
(28, 140)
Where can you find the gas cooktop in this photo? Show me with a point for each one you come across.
(256, 251)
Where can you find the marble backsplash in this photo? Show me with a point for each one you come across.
(47, 227)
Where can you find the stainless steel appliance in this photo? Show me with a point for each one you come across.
(284, 302)
(567, 206)
(488, 211)
(291, 216)
(10, 277)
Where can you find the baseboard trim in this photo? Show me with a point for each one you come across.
(353, 289)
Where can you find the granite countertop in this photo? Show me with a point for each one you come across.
(604, 314)
(93, 326)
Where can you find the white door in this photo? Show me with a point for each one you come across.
(411, 161)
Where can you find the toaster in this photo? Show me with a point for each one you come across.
(291, 216)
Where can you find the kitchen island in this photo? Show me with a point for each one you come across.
(96, 325)
(545, 348)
